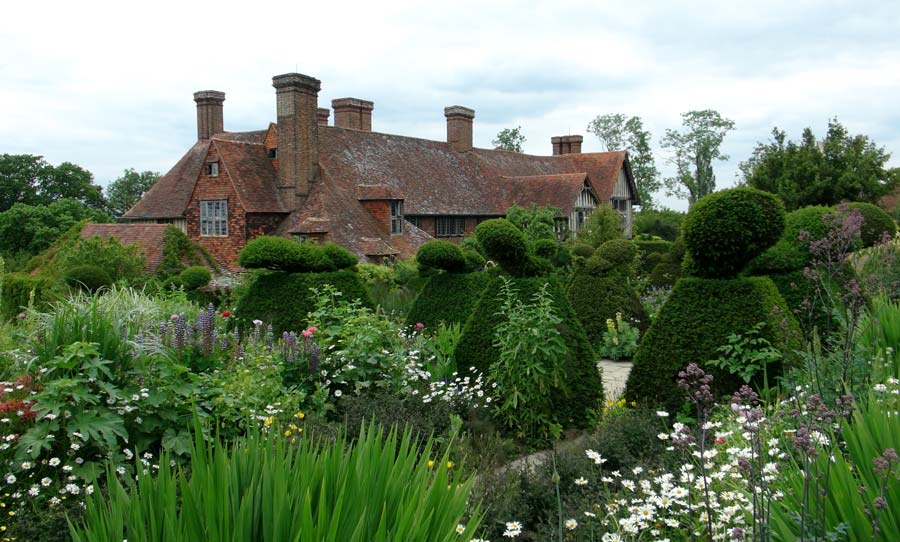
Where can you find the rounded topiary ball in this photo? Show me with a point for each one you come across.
(439, 254)
(726, 230)
(503, 242)
(791, 252)
(195, 277)
(545, 248)
(474, 260)
(88, 277)
(876, 223)
(340, 257)
(620, 253)
(267, 252)
(582, 249)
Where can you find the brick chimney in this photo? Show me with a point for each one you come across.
(209, 113)
(570, 144)
(459, 127)
(298, 135)
(353, 113)
(322, 114)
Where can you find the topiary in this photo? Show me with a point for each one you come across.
(582, 249)
(340, 257)
(545, 248)
(791, 252)
(268, 252)
(876, 223)
(87, 277)
(695, 321)
(21, 290)
(665, 274)
(195, 277)
(474, 260)
(651, 252)
(448, 298)
(620, 253)
(724, 231)
(440, 254)
(503, 243)
(597, 298)
(582, 389)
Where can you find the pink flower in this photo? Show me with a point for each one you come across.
(226, 314)
(313, 329)
(420, 326)
(307, 333)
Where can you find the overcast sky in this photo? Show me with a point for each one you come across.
(108, 85)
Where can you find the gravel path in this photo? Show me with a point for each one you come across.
(615, 374)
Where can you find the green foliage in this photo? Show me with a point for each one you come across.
(535, 222)
(662, 223)
(21, 290)
(604, 224)
(820, 172)
(282, 254)
(30, 229)
(88, 277)
(447, 298)
(618, 132)
(726, 230)
(195, 277)
(284, 299)
(651, 253)
(530, 365)
(620, 340)
(308, 490)
(597, 299)
(474, 260)
(665, 274)
(747, 354)
(582, 389)
(791, 252)
(690, 329)
(879, 337)
(876, 223)
(124, 192)
(178, 249)
(29, 179)
(503, 243)
(620, 254)
(440, 254)
(124, 262)
(509, 139)
(694, 150)
(583, 250)
(799, 292)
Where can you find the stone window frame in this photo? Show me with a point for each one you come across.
(396, 216)
(449, 226)
(214, 218)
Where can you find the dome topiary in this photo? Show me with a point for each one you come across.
(876, 222)
(340, 257)
(195, 277)
(724, 231)
(88, 277)
(545, 248)
(474, 260)
(267, 252)
(504, 243)
(582, 249)
(440, 254)
(791, 252)
(620, 253)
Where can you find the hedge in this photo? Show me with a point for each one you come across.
(725, 230)
(87, 277)
(284, 299)
(795, 288)
(17, 289)
(651, 252)
(697, 319)
(448, 298)
(583, 388)
(282, 254)
(440, 254)
(195, 277)
(504, 243)
(876, 222)
(595, 299)
(791, 253)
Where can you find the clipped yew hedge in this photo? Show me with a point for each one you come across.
(448, 298)
(583, 387)
(595, 299)
(697, 319)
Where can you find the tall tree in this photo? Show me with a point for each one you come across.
(19, 174)
(70, 181)
(694, 149)
(810, 172)
(125, 191)
(619, 132)
(509, 139)
(29, 179)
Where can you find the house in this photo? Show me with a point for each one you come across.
(379, 195)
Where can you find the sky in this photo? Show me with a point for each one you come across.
(108, 85)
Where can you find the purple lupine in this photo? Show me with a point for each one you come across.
(180, 332)
(270, 338)
(314, 358)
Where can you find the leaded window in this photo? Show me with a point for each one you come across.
(396, 217)
(450, 226)
(214, 218)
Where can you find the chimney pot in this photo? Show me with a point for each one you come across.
(353, 113)
(209, 113)
(570, 144)
(459, 127)
(322, 114)
(298, 135)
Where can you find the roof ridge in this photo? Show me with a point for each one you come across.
(237, 141)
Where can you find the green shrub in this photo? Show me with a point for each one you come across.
(665, 274)
(798, 291)
(582, 389)
(340, 257)
(596, 299)
(651, 252)
(620, 253)
(726, 230)
(267, 489)
(582, 249)
(195, 277)
(504, 243)
(447, 298)
(876, 223)
(178, 250)
(440, 254)
(282, 254)
(695, 321)
(545, 248)
(87, 277)
(791, 252)
(474, 260)
(22, 290)
(284, 299)
(663, 223)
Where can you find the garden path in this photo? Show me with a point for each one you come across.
(615, 374)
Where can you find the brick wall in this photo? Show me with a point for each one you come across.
(224, 249)
(380, 211)
(262, 224)
(271, 142)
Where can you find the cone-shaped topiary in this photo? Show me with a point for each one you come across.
(726, 230)
(447, 298)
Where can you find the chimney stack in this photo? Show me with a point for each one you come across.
(298, 135)
(459, 127)
(353, 113)
(570, 144)
(322, 114)
(209, 113)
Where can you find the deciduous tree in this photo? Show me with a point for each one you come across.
(694, 150)
(509, 139)
(125, 191)
(620, 132)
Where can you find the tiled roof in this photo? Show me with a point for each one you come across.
(252, 174)
(149, 237)
(559, 190)
(170, 195)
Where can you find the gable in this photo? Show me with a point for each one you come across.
(169, 196)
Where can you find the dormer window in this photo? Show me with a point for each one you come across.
(273, 154)
(212, 169)
(396, 216)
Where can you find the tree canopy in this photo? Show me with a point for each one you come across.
(509, 139)
(29, 179)
(620, 132)
(842, 167)
(694, 150)
(125, 191)
(29, 229)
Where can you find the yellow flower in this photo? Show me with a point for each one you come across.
(300, 415)
(269, 421)
(293, 441)
(449, 464)
(634, 403)
(431, 463)
(287, 433)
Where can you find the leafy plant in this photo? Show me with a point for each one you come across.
(620, 340)
(747, 354)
